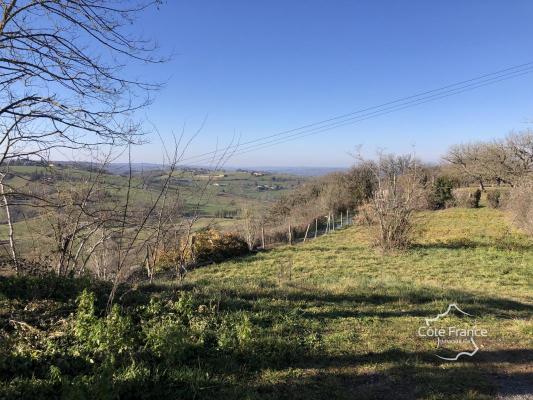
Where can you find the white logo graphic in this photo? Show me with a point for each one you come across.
(452, 334)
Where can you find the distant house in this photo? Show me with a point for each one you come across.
(255, 173)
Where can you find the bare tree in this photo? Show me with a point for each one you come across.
(62, 77)
(504, 161)
(11, 233)
(64, 86)
(468, 158)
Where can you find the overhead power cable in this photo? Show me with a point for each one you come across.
(366, 113)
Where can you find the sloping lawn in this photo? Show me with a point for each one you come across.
(356, 313)
(331, 318)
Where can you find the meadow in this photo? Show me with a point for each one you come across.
(329, 318)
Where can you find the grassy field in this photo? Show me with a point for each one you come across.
(331, 318)
(357, 312)
(225, 191)
(218, 205)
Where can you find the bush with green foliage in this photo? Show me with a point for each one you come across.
(175, 346)
(440, 193)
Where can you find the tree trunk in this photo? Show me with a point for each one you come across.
(11, 233)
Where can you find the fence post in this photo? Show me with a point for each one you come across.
(333, 219)
(263, 236)
(306, 231)
(290, 234)
(341, 219)
(316, 227)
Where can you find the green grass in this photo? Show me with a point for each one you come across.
(331, 318)
(363, 309)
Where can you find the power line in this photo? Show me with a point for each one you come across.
(374, 114)
(375, 111)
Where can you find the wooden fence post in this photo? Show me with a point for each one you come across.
(333, 219)
(341, 219)
(316, 227)
(290, 235)
(263, 237)
(307, 230)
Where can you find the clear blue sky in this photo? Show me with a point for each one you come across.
(257, 68)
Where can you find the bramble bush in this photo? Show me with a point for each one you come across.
(185, 346)
(206, 246)
(211, 245)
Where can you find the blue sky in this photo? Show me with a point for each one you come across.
(257, 68)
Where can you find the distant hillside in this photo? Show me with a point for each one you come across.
(302, 171)
(120, 168)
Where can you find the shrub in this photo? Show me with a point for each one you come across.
(398, 195)
(365, 215)
(440, 193)
(493, 198)
(466, 198)
(107, 338)
(206, 246)
(520, 205)
(211, 245)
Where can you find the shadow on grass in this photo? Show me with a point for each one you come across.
(408, 375)
(391, 374)
(464, 243)
(398, 383)
(400, 302)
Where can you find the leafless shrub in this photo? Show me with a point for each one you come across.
(467, 198)
(317, 203)
(494, 198)
(365, 215)
(398, 194)
(520, 205)
(251, 222)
